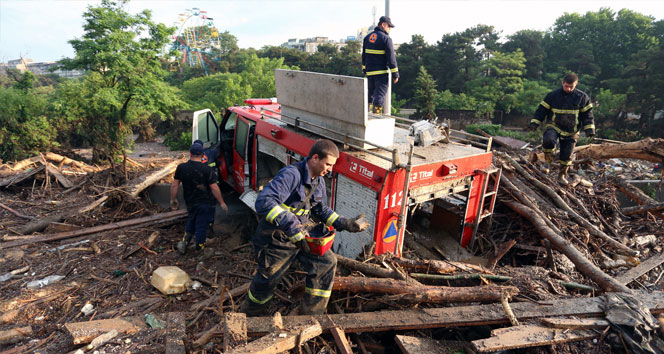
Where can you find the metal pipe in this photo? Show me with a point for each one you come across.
(401, 223)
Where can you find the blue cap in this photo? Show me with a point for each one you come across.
(198, 141)
(196, 149)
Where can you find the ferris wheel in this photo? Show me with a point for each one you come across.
(196, 38)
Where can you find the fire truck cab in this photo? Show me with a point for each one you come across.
(387, 167)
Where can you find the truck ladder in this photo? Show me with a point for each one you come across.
(491, 182)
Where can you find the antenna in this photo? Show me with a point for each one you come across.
(373, 11)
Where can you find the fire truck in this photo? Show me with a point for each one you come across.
(387, 167)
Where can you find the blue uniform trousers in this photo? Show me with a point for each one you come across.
(198, 220)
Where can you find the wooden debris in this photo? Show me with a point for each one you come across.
(643, 268)
(459, 316)
(372, 269)
(278, 342)
(85, 332)
(340, 338)
(144, 221)
(15, 212)
(647, 149)
(215, 299)
(64, 181)
(416, 345)
(38, 225)
(501, 251)
(151, 240)
(137, 186)
(9, 181)
(15, 335)
(102, 339)
(504, 300)
(636, 195)
(643, 209)
(443, 267)
(530, 336)
(576, 323)
(235, 330)
(436, 294)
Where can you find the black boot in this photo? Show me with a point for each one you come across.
(182, 245)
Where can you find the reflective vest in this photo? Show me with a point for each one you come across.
(567, 113)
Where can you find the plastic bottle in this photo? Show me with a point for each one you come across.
(37, 284)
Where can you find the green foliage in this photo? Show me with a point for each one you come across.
(608, 104)
(620, 135)
(528, 99)
(122, 52)
(178, 141)
(499, 83)
(425, 94)
(449, 100)
(24, 128)
(496, 129)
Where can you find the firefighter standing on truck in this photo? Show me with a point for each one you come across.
(290, 208)
(568, 111)
(378, 59)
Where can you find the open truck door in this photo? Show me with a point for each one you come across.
(243, 154)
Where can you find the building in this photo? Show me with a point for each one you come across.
(41, 68)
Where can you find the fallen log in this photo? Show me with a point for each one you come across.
(647, 149)
(430, 294)
(459, 316)
(373, 270)
(38, 225)
(59, 159)
(148, 220)
(635, 194)
(584, 266)
(443, 267)
(15, 335)
(573, 214)
(643, 209)
(137, 186)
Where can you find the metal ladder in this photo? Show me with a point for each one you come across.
(492, 181)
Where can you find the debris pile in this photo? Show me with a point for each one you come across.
(88, 264)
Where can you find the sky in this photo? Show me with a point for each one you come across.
(41, 29)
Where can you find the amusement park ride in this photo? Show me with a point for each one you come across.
(196, 38)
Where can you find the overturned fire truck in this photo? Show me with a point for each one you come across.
(387, 167)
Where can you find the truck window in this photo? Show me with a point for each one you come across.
(207, 128)
(241, 134)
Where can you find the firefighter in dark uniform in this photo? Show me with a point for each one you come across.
(568, 110)
(378, 59)
(288, 207)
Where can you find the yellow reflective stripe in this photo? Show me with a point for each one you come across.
(292, 210)
(333, 217)
(318, 292)
(589, 126)
(364, 67)
(565, 163)
(296, 238)
(274, 212)
(560, 131)
(538, 122)
(374, 51)
(545, 105)
(377, 72)
(394, 70)
(321, 241)
(565, 111)
(586, 108)
(253, 299)
(549, 150)
(212, 164)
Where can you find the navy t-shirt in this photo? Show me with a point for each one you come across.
(196, 178)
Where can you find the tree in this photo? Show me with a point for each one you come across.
(499, 82)
(530, 43)
(425, 94)
(411, 57)
(122, 53)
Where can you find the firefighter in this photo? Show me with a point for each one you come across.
(378, 59)
(199, 183)
(291, 205)
(209, 155)
(568, 110)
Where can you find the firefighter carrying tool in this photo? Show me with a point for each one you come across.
(288, 207)
(569, 110)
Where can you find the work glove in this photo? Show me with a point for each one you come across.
(356, 224)
(590, 133)
(304, 246)
(531, 127)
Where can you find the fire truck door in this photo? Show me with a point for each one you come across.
(205, 128)
(242, 154)
(226, 135)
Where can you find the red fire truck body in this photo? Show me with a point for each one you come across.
(256, 141)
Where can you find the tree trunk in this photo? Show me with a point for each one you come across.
(374, 270)
(636, 195)
(411, 293)
(582, 264)
(138, 185)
